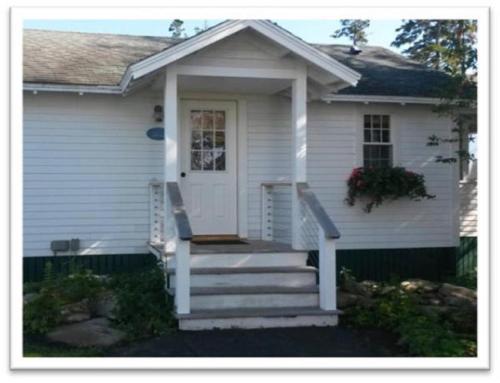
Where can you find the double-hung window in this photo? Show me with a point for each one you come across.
(377, 141)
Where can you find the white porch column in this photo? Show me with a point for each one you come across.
(299, 153)
(170, 125)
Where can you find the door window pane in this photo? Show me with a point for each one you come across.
(220, 160)
(208, 120)
(208, 140)
(220, 120)
(196, 140)
(195, 160)
(208, 160)
(220, 140)
(195, 119)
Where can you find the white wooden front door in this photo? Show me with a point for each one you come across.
(208, 166)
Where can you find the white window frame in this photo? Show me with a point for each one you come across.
(380, 143)
(394, 112)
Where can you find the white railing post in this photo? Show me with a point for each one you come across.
(155, 212)
(267, 213)
(327, 272)
(182, 277)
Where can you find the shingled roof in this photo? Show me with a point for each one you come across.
(74, 58)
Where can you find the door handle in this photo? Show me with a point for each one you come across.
(183, 174)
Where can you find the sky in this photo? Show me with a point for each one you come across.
(380, 33)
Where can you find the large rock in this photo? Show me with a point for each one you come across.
(105, 305)
(453, 293)
(351, 286)
(386, 290)
(76, 312)
(345, 300)
(372, 287)
(419, 286)
(92, 333)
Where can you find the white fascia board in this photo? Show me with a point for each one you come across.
(101, 89)
(183, 49)
(306, 51)
(382, 99)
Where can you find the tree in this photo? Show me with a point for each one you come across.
(355, 30)
(177, 29)
(449, 46)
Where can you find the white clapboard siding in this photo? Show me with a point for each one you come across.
(87, 165)
(333, 151)
(468, 208)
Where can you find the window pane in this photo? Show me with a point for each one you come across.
(208, 120)
(367, 123)
(376, 135)
(376, 122)
(377, 155)
(220, 120)
(368, 135)
(220, 160)
(195, 160)
(208, 160)
(196, 140)
(386, 135)
(386, 155)
(208, 140)
(220, 140)
(385, 122)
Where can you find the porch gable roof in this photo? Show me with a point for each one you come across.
(227, 28)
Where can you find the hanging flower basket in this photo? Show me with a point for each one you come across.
(379, 184)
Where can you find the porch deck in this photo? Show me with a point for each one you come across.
(251, 246)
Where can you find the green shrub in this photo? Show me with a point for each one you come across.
(143, 308)
(43, 313)
(78, 285)
(423, 335)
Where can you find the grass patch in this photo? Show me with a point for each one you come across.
(33, 348)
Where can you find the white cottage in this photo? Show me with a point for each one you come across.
(227, 155)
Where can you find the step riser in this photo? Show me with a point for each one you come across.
(244, 260)
(258, 322)
(233, 301)
(252, 279)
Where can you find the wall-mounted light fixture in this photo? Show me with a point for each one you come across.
(158, 113)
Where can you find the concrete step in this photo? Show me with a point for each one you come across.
(214, 298)
(229, 260)
(296, 276)
(258, 317)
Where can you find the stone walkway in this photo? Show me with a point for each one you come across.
(288, 342)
